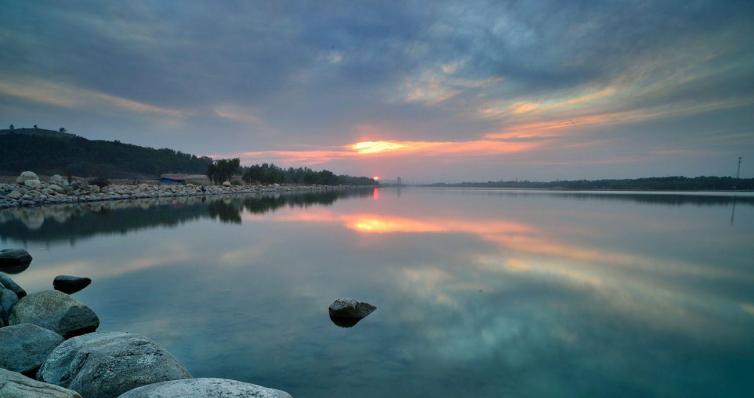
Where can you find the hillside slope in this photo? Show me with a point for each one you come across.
(52, 152)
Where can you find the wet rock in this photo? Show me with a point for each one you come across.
(100, 365)
(70, 284)
(8, 283)
(347, 312)
(24, 347)
(16, 385)
(205, 388)
(56, 311)
(8, 300)
(14, 261)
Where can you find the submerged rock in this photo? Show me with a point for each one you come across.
(100, 365)
(14, 261)
(347, 312)
(16, 385)
(70, 284)
(205, 388)
(56, 311)
(8, 283)
(8, 300)
(24, 347)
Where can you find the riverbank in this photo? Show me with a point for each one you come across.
(30, 191)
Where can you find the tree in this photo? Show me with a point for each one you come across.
(12, 127)
(222, 170)
(62, 130)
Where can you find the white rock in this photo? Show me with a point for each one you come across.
(204, 388)
(25, 176)
(33, 183)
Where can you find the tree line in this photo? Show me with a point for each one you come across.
(267, 173)
(639, 184)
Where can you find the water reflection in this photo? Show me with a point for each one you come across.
(480, 293)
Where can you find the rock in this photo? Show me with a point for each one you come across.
(205, 388)
(33, 183)
(347, 312)
(56, 311)
(99, 365)
(70, 284)
(14, 261)
(27, 176)
(16, 385)
(16, 194)
(56, 188)
(226, 183)
(8, 300)
(58, 180)
(8, 283)
(24, 347)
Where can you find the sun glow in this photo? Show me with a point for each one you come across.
(368, 147)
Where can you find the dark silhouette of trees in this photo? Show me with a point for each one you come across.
(267, 173)
(12, 127)
(637, 184)
(222, 170)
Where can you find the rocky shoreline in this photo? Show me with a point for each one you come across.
(49, 347)
(29, 191)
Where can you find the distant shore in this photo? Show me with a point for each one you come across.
(32, 191)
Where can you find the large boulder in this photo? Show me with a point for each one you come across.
(8, 283)
(27, 176)
(14, 261)
(100, 365)
(24, 347)
(8, 299)
(58, 180)
(347, 312)
(204, 388)
(70, 284)
(16, 385)
(56, 311)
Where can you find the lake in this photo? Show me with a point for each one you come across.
(483, 293)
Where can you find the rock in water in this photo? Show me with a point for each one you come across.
(100, 365)
(56, 311)
(70, 284)
(14, 261)
(16, 385)
(8, 283)
(347, 312)
(8, 300)
(24, 347)
(204, 388)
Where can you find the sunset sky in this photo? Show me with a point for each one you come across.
(426, 90)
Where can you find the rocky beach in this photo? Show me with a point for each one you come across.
(30, 190)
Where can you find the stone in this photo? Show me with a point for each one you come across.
(108, 364)
(58, 180)
(56, 311)
(24, 347)
(56, 188)
(14, 261)
(16, 385)
(27, 176)
(8, 283)
(70, 284)
(16, 194)
(34, 184)
(347, 312)
(205, 388)
(226, 183)
(8, 300)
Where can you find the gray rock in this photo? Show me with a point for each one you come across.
(14, 261)
(27, 176)
(56, 311)
(347, 312)
(15, 195)
(24, 347)
(58, 180)
(70, 284)
(204, 388)
(100, 365)
(33, 183)
(16, 385)
(8, 283)
(8, 300)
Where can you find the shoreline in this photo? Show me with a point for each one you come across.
(38, 193)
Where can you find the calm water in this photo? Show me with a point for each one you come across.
(479, 293)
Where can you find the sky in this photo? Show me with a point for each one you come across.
(429, 91)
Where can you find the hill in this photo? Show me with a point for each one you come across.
(55, 152)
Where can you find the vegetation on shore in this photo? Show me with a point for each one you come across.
(267, 173)
(637, 184)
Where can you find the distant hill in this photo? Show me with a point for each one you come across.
(54, 152)
(636, 184)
